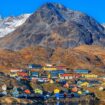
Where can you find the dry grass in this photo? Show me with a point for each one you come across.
(82, 57)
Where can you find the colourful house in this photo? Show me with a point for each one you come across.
(34, 74)
(44, 75)
(84, 84)
(89, 76)
(15, 70)
(53, 75)
(68, 76)
(56, 73)
(35, 66)
(38, 91)
(23, 74)
(82, 71)
(49, 68)
(13, 74)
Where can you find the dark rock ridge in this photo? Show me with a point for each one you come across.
(54, 25)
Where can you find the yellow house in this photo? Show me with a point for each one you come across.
(85, 84)
(89, 75)
(49, 76)
(49, 68)
(13, 74)
(56, 91)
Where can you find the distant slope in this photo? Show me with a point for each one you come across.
(82, 57)
(53, 25)
(9, 24)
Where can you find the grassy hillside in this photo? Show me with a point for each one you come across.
(85, 57)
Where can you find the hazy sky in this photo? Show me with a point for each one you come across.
(94, 8)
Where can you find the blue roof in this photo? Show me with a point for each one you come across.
(36, 66)
(34, 73)
(54, 74)
(58, 71)
(82, 70)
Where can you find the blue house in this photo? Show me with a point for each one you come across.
(82, 71)
(35, 66)
(55, 74)
(34, 74)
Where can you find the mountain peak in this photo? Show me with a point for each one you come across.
(50, 13)
(53, 25)
(52, 5)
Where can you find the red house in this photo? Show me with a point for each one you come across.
(22, 74)
(68, 76)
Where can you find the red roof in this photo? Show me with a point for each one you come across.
(75, 75)
(22, 74)
(64, 75)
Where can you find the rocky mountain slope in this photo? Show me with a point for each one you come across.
(53, 25)
(9, 24)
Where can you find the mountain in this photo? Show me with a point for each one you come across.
(9, 24)
(103, 25)
(53, 25)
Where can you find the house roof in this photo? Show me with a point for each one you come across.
(35, 65)
(81, 70)
(15, 70)
(64, 75)
(68, 74)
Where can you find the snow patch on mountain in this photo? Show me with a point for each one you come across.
(9, 24)
(103, 25)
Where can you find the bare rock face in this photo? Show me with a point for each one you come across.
(54, 25)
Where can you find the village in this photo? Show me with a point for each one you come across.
(51, 82)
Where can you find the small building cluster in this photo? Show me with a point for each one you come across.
(71, 84)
